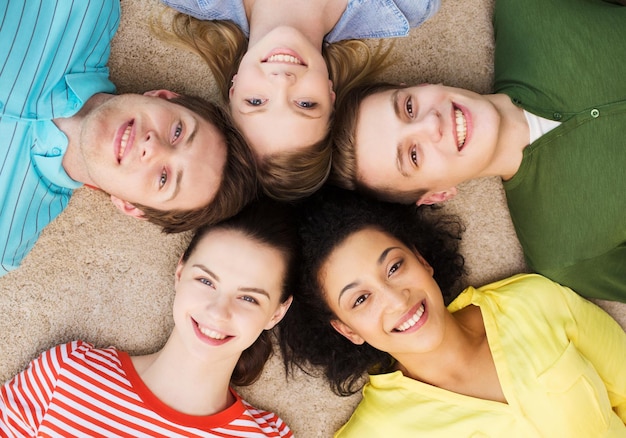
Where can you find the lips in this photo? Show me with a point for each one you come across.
(284, 56)
(209, 335)
(460, 124)
(126, 136)
(413, 319)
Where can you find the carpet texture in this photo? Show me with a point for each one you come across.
(105, 278)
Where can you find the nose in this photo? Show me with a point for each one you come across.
(218, 308)
(151, 146)
(282, 76)
(428, 127)
(395, 299)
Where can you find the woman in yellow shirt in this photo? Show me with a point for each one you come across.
(521, 357)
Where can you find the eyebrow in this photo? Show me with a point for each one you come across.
(207, 270)
(255, 290)
(395, 104)
(399, 151)
(379, 262)
(400, 160)
(179, 174)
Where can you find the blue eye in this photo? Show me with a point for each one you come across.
(255, 101)
(249, 299)
(306, 104)
(163, 179)
(177, 132)
(205, 281)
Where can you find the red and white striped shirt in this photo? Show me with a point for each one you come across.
(75, 389)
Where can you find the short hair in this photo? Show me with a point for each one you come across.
(327, 219)
(237, 187)
(268, 223)
(344, 172)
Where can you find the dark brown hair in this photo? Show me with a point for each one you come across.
(327, 219)
(268, 223)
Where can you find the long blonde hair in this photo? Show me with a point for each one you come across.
(287, 175)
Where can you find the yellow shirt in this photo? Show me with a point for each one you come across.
(561, 361)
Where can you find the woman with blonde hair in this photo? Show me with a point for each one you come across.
(279, 65)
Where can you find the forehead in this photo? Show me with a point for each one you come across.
(237, 251)
(376, 139)
(366, 243)
(271, 132)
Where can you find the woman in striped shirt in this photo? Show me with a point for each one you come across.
(232, 286)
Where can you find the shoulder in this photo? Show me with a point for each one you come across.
(381, 19)
(213, 10)
(267, 421)
(532, 295)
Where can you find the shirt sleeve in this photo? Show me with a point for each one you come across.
(25, 398)
(601, 340)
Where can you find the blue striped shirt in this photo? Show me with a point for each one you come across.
(53, 58)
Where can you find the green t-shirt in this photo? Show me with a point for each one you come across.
(565, 60)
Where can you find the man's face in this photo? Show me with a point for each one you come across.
(146, 150)
(427, 137)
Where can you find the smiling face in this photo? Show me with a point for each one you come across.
(425, 138)
(282, 98)
(144, 149)
(227, 292)
(384, 294)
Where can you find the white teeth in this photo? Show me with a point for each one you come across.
(212, 334)
(124, 140)
(412, 321)
(284, 58)
(461, 128)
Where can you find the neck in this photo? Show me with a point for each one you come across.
(447, 364)
(184, 382)
(314, 19)
(514, 136)
(73, 160)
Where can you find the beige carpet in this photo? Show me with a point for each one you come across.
(105, 278)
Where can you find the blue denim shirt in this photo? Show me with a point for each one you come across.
(361, 19)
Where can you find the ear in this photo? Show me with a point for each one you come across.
(333, 96)
(423, 261)
(179, 271)
(437, 197)
(347, 332)
(280, 312)
(163, 94)
(231, 90)
(127, 208)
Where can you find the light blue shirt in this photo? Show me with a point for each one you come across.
(53, 58)
(361, 19)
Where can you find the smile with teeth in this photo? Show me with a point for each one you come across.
(124, 140)
(461, 128)
(284, 58)
(412, 320)
(212, 333)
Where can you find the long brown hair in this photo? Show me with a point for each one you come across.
(286, 175)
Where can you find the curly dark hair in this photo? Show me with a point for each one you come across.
(326, 220)
(268, 223)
